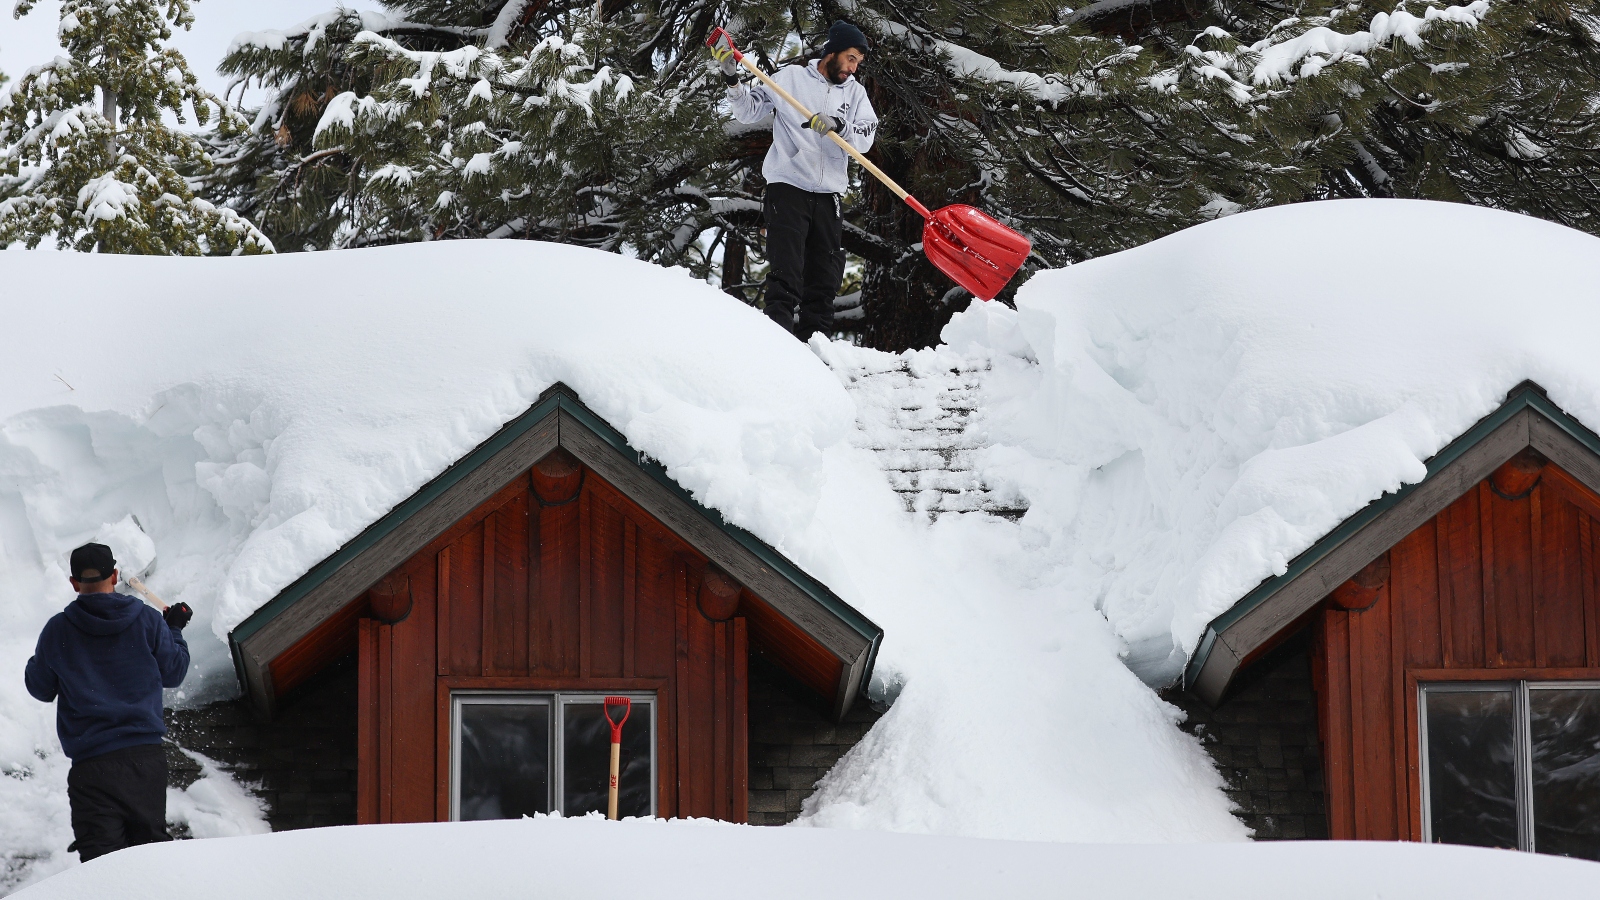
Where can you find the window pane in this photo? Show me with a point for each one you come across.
(587, 762)
(505, 760)
(1565, 729)
(1472, 767)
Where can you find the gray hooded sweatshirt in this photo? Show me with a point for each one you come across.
(800, 156)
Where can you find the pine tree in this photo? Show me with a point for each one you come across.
(1091, 130)
(448, 120)
(1107, 127)
(106, 175)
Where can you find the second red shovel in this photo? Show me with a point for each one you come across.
(616, 747)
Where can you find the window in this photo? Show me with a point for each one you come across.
(516, 754)
(1512, 764)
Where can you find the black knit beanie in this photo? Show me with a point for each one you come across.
(842, 36)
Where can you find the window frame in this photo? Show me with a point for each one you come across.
(1522, 736)
(556, 701)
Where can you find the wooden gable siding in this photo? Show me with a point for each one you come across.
(1499, 585)
(555, 583)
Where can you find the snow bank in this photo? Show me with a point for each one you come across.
(701, 861)
(251, 415)
(1188, 416)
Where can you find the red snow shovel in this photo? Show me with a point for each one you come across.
(616, 747)
(977, 252)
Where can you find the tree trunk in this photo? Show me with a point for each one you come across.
(733, 266)
(108, 108)
(903, 299)
(907, 300)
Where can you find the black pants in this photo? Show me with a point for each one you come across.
(118, 799)
(805, 257)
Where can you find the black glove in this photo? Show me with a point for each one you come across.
(177, 615)
(825, 125)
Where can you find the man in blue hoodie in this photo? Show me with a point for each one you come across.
(105, 659)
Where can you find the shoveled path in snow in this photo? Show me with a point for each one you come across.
(918, 411)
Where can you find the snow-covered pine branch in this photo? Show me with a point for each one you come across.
(85, 157)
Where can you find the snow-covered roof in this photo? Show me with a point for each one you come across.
(558, 421)
(1187, 417)
(1526, 420)
(1179, 421)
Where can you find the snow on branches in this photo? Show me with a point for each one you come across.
(84, 155)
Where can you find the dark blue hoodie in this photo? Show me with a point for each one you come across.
(107, 657)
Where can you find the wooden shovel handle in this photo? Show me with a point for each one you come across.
(865, 163)
(616, 767)
(136, 584)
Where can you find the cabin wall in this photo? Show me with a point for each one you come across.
(302, 764)
(558, 582)
(793, 741)
(1500, 585)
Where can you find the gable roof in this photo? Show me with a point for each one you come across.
(1527, 418)
(558, 419)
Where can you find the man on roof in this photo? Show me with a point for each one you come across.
(807, 173)
(104, 660)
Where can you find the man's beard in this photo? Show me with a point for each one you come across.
(830, 71)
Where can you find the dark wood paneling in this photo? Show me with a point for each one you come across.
(790, 647)
(1414, 584)
(367, 723)
(1495, 586)
(465, 587)
(334, 638)
(1559, 630)
(555, 610)
(1508, 528)
(411, 715)
(1460, 543)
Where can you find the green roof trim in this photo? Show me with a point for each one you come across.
(557, 398)
(1526, 395)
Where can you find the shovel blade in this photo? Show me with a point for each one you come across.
(977, 252)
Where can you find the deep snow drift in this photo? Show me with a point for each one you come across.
(1187, 417)
(1180, 419)
(701, 860)
(254, 414)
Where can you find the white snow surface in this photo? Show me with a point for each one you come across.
(1180, 420)
(701, 860)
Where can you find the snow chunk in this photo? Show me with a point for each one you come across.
(216, 805)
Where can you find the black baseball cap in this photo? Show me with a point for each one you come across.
(93, 562)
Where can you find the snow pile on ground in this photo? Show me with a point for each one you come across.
(248, 416)
(699, 860)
